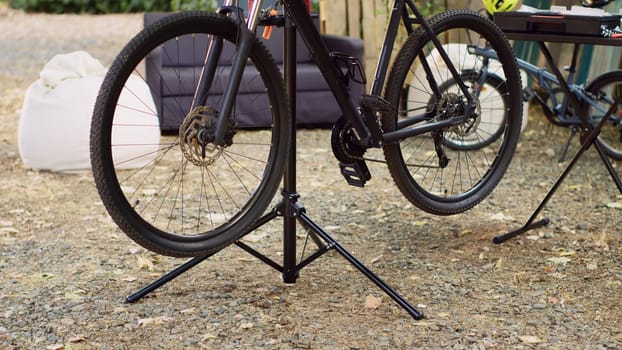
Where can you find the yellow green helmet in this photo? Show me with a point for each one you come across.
(493, 6)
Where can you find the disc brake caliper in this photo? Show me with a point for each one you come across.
(196, 136)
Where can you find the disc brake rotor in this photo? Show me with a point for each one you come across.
(196, 136)
(452, 105)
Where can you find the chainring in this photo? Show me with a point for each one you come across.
(343, 142)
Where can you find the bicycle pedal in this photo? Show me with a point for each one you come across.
(356, 174)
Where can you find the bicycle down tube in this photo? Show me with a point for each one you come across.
(399, 12)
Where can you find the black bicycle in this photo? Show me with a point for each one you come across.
(200, 189)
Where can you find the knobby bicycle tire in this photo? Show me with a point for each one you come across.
(603, 90)
(169, 195)
(434, 176)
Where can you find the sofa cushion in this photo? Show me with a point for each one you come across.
(313, 108)
(183, 81)
(172, 75)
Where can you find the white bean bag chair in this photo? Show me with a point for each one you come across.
(55, 120)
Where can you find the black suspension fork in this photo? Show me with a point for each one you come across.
(245, 41)
(208, 72)
(237, 69)
(212, 57)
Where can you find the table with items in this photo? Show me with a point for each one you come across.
(578, 26)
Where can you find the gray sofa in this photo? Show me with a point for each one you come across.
(315, 105)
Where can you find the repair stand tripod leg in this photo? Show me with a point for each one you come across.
(291, 211)
(585, 144)
(333, 244)
(573, 132)
(197, 260)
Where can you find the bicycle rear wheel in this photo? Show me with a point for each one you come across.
(443, 171)
(163, 189)
(603, 91)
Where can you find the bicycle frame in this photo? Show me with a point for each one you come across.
(548, 81)
(299, 14)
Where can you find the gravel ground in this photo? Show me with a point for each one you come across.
(65, 268)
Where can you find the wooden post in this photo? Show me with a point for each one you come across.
(354, 18)
(333, 16)
(375, 15)
(341, 17)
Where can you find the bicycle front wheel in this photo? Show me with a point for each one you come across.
(450, 169)
(602, 93)
(161, 183)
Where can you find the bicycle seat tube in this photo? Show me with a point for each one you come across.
(311, 36)
(387, 47)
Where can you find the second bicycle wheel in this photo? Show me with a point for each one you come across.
(162, 183)
(448, 170)
(603, 91)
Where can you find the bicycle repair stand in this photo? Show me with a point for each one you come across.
(585, 145)
(290, 210)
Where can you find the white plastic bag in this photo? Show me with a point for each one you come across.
(56, 117)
